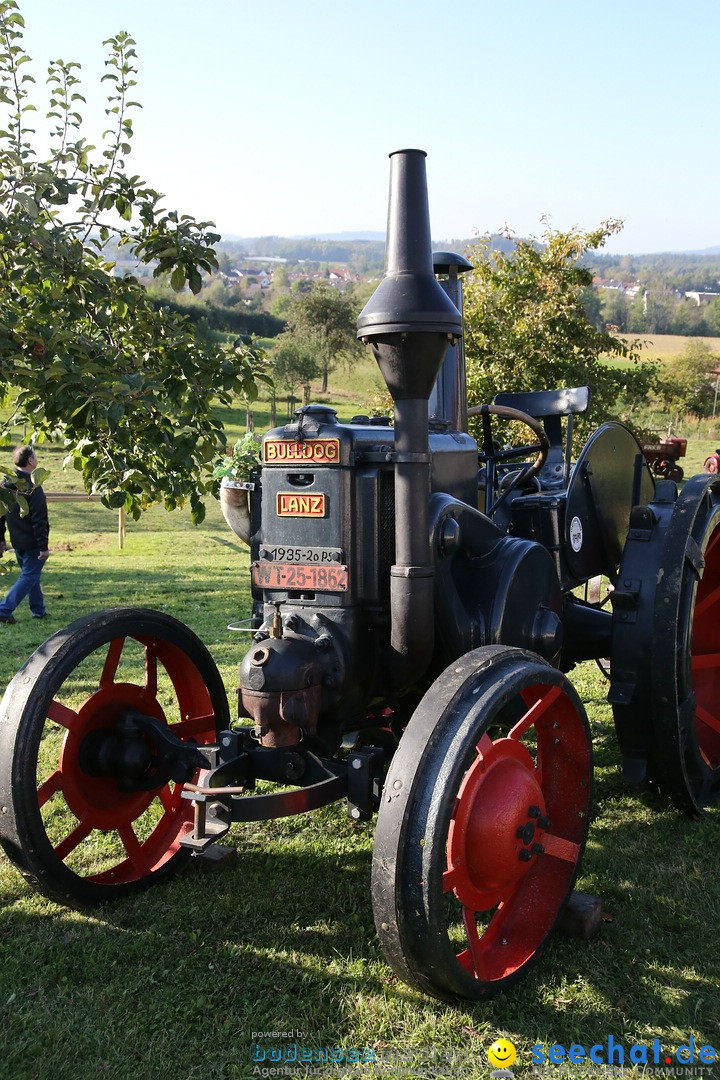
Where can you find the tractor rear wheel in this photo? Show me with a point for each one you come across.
(686, 648)
(666, 646)
(88, 814)
(482, 824)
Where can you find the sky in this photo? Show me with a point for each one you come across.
(276, 117)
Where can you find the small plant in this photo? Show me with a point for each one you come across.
(240, 460)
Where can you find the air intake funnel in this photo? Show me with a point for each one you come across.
(409, 319)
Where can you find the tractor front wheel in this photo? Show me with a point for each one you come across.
(91, 805)
(482, 824)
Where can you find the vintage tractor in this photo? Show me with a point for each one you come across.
(409, 653)
(663, 457)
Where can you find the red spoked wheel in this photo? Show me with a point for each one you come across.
(482, 824)
(96, 739)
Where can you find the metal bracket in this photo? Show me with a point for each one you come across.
(364, 782)
(223, 797)
(400, 457)
(209, 822)
(624, 599)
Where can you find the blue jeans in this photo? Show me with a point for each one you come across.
(28, 584)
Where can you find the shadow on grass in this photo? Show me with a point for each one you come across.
(286, 934)
(284, 938)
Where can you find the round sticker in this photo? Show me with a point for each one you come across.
(576, 533)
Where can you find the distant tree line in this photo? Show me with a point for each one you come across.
(364, 257)
(659, 305)
(657, 310)
(665, 270)
(210, 316)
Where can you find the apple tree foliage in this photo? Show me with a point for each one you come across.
(86, 357)
(527, 326)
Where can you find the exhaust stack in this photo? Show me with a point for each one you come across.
(448, 401)
(409, 322)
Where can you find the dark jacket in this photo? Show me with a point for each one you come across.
(29, 533)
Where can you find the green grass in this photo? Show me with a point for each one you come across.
(175, 982)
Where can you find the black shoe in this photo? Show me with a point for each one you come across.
(43, 616)
(8, 619)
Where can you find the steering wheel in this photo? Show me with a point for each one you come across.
(491, 456)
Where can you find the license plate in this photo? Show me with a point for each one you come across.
(301, 554)
(308, 576)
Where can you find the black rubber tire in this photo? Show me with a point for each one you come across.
(666, 646)
(457, 796)
(685, 760)
(48, 801)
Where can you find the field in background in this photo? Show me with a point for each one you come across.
(666, 346)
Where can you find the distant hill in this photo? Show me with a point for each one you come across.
(362, 257)
(342, 236)
(349, 238)
(362, 251)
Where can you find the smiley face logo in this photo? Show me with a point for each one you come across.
(502, 1054)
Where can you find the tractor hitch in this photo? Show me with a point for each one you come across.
(319, 781)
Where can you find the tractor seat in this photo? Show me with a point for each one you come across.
(545, 403)
(551, 406)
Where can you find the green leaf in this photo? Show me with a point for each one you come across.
(39, 476)
(115, 413)
(197, 511)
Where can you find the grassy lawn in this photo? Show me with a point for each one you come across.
(177, 981)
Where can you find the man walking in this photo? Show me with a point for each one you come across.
(28, 536)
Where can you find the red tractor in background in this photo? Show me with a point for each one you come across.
(663, 456)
